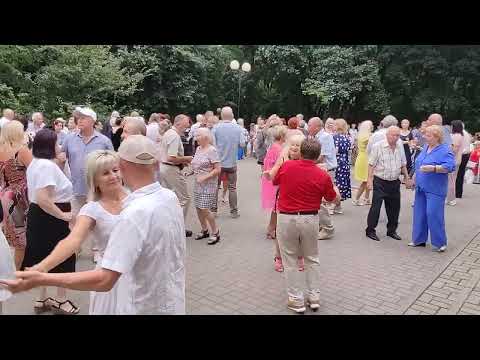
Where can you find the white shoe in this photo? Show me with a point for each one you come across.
(338, 210)
(356, 202)
(441, 249)
(452, 203)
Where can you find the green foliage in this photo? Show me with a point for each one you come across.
(354, 82)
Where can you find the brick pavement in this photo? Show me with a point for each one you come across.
(358, 275)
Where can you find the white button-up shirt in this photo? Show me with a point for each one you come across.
(387, 163)
(148, 243)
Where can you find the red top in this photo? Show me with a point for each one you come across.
(302, 186)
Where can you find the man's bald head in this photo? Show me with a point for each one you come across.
(9, 114)
(227, 113)
(435, 119)
(315, 124)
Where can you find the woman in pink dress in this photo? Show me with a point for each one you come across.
(269, 191)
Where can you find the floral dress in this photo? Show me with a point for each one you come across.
(342, 173)
(13, 194)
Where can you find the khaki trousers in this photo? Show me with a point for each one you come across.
(325, 219)
(297, 234)
(172, 178)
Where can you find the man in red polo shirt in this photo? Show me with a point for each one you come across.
(302, 186)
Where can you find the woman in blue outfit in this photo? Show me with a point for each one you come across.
(431, 178)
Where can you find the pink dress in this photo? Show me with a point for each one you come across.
(269, 191)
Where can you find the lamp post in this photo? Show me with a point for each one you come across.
(246, 67)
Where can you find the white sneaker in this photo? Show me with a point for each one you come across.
(337, 210)
(356, 202)
(452, 203)
(441, 249)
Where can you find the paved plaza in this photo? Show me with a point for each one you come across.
(358, 275)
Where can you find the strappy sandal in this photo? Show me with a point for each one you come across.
(57, 308)
(44, 305)
(215, 238)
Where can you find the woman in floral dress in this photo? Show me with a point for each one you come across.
(342, 173)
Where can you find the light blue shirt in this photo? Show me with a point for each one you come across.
(76, 152)
(328, 149)
(227, 138)
(447, 137)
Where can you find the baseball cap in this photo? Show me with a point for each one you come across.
(85, 111)
(138, 149)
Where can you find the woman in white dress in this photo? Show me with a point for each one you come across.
(96, 218)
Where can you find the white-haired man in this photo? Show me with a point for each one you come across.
(147, 244)
(173, 160)
(36, 124)
(228, 137)
(8, 115)
(133, 125)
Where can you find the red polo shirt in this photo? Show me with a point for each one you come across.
(302, 185)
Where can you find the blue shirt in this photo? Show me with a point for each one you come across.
(434, 183)
(228, 137)
(447, 137)
(76, 151)
(328, 149)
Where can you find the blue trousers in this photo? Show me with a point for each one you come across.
(429, 215)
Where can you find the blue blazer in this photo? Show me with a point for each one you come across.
(435, 183)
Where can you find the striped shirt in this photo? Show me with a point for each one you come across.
(387, 163)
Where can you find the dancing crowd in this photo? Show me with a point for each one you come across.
(122, 187)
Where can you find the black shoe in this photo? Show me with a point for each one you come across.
(215, 238)
(417, 245)
(373, 236)
(188, 233)
(203, 235)
(394, 235)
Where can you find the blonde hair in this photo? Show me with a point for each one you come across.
(98, 161)
(365, 128)
(342, 126)
(295, 139)
(278, 132)
(436, 131)
(12, 134)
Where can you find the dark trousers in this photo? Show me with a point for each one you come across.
(388, 191)
(461, 176)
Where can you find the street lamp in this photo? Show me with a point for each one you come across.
(246, 67)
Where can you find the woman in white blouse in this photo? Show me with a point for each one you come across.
(49, 193)
(98, 217)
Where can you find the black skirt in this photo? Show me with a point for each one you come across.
(44, 232)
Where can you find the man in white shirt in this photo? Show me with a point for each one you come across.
(148, 243)
(8, 115)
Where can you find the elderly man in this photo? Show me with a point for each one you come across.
(385, 164)
(303, 186)
(8, 115)
(173, 161)
(133, 125)
(436, 119)
(201, 121)
(228, 137)
(153, 127)
(329, 159)
(76, 146)
(36, 124)
(147, 244)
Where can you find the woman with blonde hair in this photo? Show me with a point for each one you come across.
(432, 167)
(361, 163)
(98, 218)
(342, 172)
(14, 160)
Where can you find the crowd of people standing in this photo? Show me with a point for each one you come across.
(106, 184)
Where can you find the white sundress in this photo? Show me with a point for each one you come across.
(7, 266)
(103, 303)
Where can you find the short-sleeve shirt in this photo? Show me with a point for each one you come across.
(42, 173)
(171, 145)
(152, 131)
(457, 141)
(104, 223)
(202, 164)
(328, 149)
(228, 137)
(302, 186)
(148, 244)
(77, 151)
(387, 162)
